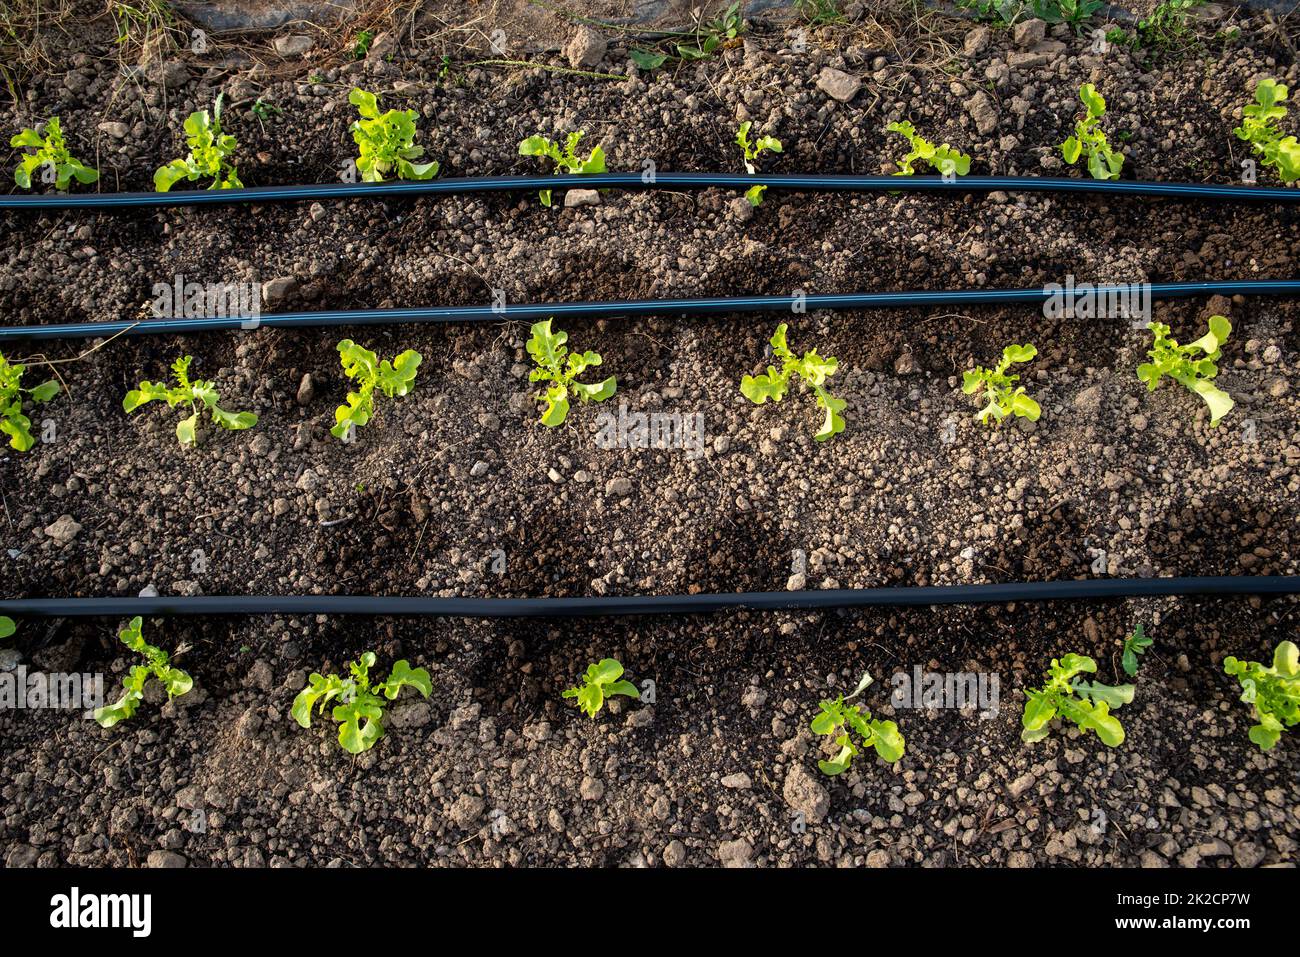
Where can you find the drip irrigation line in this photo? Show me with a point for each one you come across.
(453, 185)
(639, 307)
(651, 604)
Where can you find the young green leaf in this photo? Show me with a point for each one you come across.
(752, 150)
(157, 665)
(840, 721)
(811, 369)
(1192, 366)
(385, 141)
(1089, 140)
(565, 158)
(943, 159)
(360, 710)
(1259, 129)
(209, 155)
(49, 154)
(1002, 396)
(1135, 645)
(601, 681)
(1273, 692)
(1087, 704)
(13, 422)
(7, 627)
(393, 379)
(199, 394)
(560, 368)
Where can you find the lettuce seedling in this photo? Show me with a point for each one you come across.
(600, 682)
(561, 368)
(1259, 129)
(1090, 710)
(1192, 366)
(1135, 646)
(209, 156)
(158, 665)
(943, 159)
(197, 393)
(12, 421)
(51, 152)
(385, 141)
(360, 710)
(1103, 162)
(840, 720)
(565, 159)
(1274, 692)
(752, 150)
(392, 378)
(812, 369)
(1004, 396)
(7, 626)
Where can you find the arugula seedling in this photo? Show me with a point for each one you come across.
(812, 369)
(158, 665)
(1090, 710)
(944, 159)
(360, 710)
(386, 141)
(12, 421)
(1259, 129)
(52, 155)
(1273, 693)
(565, 159)
(209, 156)
(752, 151)
(392, 378)
(561, 368)
(600, 682)
(839, 720)
(1004, 397)
(361, 45)
(1103, 162)
(1192, 366)
(1135, 645)
(198, 393)
(706, 38)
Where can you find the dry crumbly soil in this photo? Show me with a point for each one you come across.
(494, 769)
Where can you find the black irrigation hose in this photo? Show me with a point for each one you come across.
(631, 307)
(792, 181)
(651, 604)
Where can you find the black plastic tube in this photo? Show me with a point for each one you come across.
(651, 604)
(788, 181)
(628, 308)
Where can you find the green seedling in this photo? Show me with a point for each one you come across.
(600, 682)
(1004, 397)
(1259, 129)
(840, 720)
(386, 141)
(158, 665)
(1087, 704)
(393, 379)
(699, 43)
(361, 45)
(1135, 646)
(561, 368)
(752, 150)
(7, 627)
(1074, 12)
(820, 13)
(1103, 162)
(1273, 693)
(1192, 366)
(565, 159)
(1004, 12)
(811, 368)
(51, 156)
(12, 421)
(944, 158)
(199, 394)
(360, 710)
(264, 111)
(209, 156)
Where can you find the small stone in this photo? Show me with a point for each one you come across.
(173, 75)
(467, 809)
(740, 781)
(796, 582)
(116, 130)
(591, 789)
(906, 364)
(64, 529)
(675, 854)
(742, 209)
(805, 794)
(838, 85)
(294, 45)
(279, 289)
(1088, 401)
(582, 197)
(586, 49)
(1027, 33)
(306, 389)
(165, 859)
(617, 487)
(983, 112)
(977, 41)
(735, 853)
